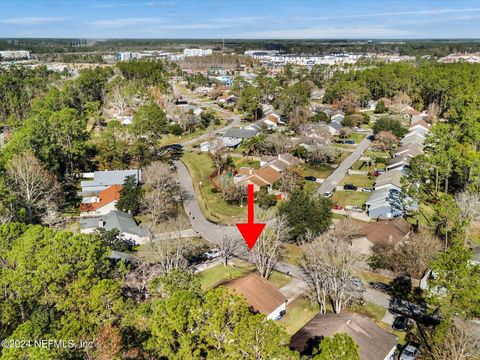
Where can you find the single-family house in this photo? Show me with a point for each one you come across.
(419, 124)
(413, 138)
(102, 180)
(374, 342)
(261, 295)
(338, 117)
(334, 127)
(389, 180)
(234, 136)
(397, 163)
(380, 232)
(121, 221)
(386, 209)
(101, 204)
(409, 150)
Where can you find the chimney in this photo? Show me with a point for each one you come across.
(101, 223)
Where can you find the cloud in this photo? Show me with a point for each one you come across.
(33, 20)
(344, 32)
(125, 22)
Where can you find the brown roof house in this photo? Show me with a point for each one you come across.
(374, 343)
(382, 231)
(101, 204)
(261, 295)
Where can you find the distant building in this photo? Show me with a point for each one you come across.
(197, 52)
(14, 55)
(234, 136)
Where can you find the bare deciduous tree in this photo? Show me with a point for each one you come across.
(163, 192)
(218, 150)
(267, 250)
(276, 144)
(321, 152)
(292, 178)
(433, 110)
(36, 188)
(226, 245)
(411, 256)
(329, 267)
(385, 140)
(469, 205)
(167, 254)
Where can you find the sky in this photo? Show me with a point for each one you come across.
(241, 19)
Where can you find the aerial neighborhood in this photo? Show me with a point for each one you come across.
(190, 198)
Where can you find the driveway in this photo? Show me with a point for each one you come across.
(333, 180)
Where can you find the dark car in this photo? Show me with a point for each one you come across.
(338, 141)
(349, 187)
(349, 142)
(310, 178)
(380, 286)
(402, 323)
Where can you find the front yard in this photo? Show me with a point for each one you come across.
(358, 180)
(344, 198)
(200, 166)
(299, 312)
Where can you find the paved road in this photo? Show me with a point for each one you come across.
(333, 180)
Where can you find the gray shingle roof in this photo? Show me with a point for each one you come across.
(105, 179)
(121, 221)
(240, 133)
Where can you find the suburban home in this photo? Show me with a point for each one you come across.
(270, 172)
(334, 127)
(338, 117)
(409, 150)
(121, 221)
(234, 136)
(385, 209)
(104, 179)
(389, 180)
(397, 163)
(101, 204)
(420, 124)
(261, 295)
(374, 342)
(380, 232)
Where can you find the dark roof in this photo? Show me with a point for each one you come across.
(259, 293)
(374, 342)
(336, 125)
(240, 133)
(383, 230)
(121, 221)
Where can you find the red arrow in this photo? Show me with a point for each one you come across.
(250, 231)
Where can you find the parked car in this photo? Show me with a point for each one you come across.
(402, 323)
(353, 208)
(410, 352)
(374, 173)
(337, 207)
(367, 189)
(339, 141)
(328, 194)
(359, 285)
(380, 286)
(380, 171)
(310, 178)
(212, 254)
(350, 187)
(359, 129)
(350, 142)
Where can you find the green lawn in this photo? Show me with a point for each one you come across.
(344, 198)
(292, 253)
(217, 274)
(358, 180)
(215, 209)
(243, 162)
(341, 156)
(369, 276)
(319, 171)
(279, 279)
(299, 312)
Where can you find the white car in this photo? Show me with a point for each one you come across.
(410, 352)
(328, 194)
(212, 254)
(353, 208)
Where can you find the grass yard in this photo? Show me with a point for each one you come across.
(244, 162)
(369, 276)
(319, 171)
(344, 198)
(279, 279)
(217, 274)
(358, 180)
(215, 209)
(341, 156)
(299, 312)
(292, 254)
